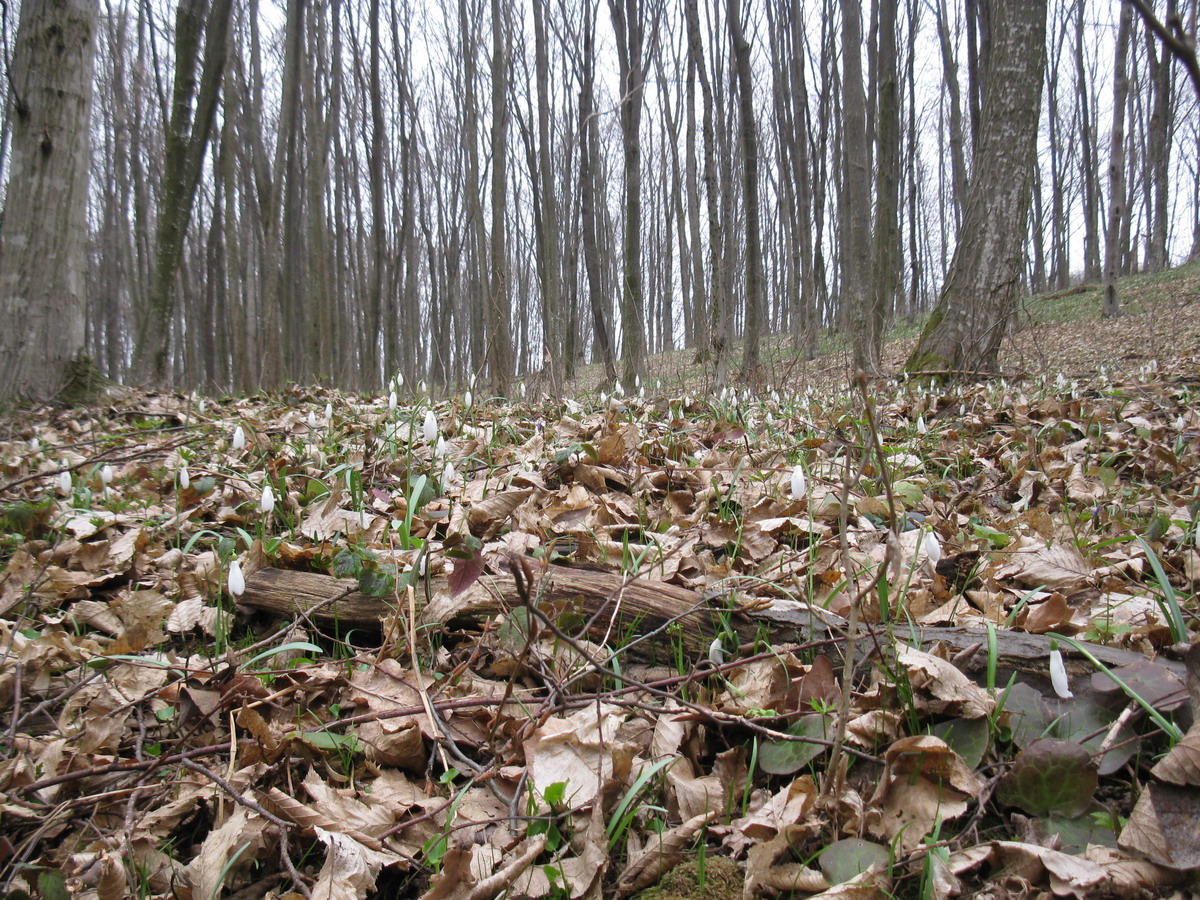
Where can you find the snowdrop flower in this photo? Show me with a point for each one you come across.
(237, 581)
(35, 445)
(423, 387)
(421, 566)
(364, 519)
(312, 420)
(185, 479)
(106, 475)
(239, 438)
(448, 473)
(267, 503)
(392, 401)
(618, 388)
(1180, 422)
(1058, 674)
(933, 547)
(328, 413)
(716, 653)
(430, 427)
(521, 390)
(399, 380)
(64, 483)
(799, 483)
(467, 399)
(921, 429)
(471, 381)
(440, 449)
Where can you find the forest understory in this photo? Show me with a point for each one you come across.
(817, 638)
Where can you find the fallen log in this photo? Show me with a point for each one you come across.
(616, 609)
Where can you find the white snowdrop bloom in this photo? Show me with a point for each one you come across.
(618, 388)
(64, 483)
(716, 653)
(932, 547)
(237, 581)
(468, 399)
(397, 524)
(637, 381)
(921, 429)
(35, 445)
(312, 420)
(239, 438)
(471, 381)
(1058, 675)
(423, 387)
(440, 449)
(392, 401)
(521, 390)
(399, 379)
(106, 475)
(185, 478)
(364, 519)
(421, 566)
(799, 483)
(429, 428)
(328, 413)
(266, 503)
(1180, 422)
(448, 473)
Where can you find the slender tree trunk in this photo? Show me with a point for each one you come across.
(1158, 151)
(500, 346)
(749, 139)
(43, 234)
(886, 256)
(1118, 208)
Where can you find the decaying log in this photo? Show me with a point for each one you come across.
(617, 609)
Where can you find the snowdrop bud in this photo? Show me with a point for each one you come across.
(106, 475)
(467, 399)
(364, 519)
(267, 503)
(471, 381)
(921, 429)
(185, 480)
(399, 379)
(35, 445)
(424, 387)
(933, 547)
(448, 473)
(237, 581)
(430, 427)
(440, 449)
(391, 401)
(421, 566)
(716, 653)
(1058, 675)
(521, 390)
(239, 438)
(312, 420)
(799, 483)
(397, 524)
(1180, 422)
(64, 482)
(328, 413)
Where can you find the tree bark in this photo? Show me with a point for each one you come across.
(43, 235)
(979, 297)
(1118, 207)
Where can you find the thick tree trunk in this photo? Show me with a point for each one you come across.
(43, 235)
(965, 331)
(855, 206)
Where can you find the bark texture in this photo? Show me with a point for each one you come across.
(980, 295)
(43, 236)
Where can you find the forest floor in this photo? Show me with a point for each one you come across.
(334, 646)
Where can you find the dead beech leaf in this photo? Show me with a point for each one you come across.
(1163, 826)
(1181, 766)
(351, 869)
(1057, 567)
(487, 516)
(1067, 876)
(949, 690)
(1049, 615)
(763, 872)
(924, 782)
(228, 849)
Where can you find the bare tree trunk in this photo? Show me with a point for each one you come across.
(854, 210)
(749, 139)
(1118, 208)
(958, 160)
(1088, 165)
(43, 234)
(978, 299)
(183, 162)
(886, 255)
(499, 334)
(1158, 152)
